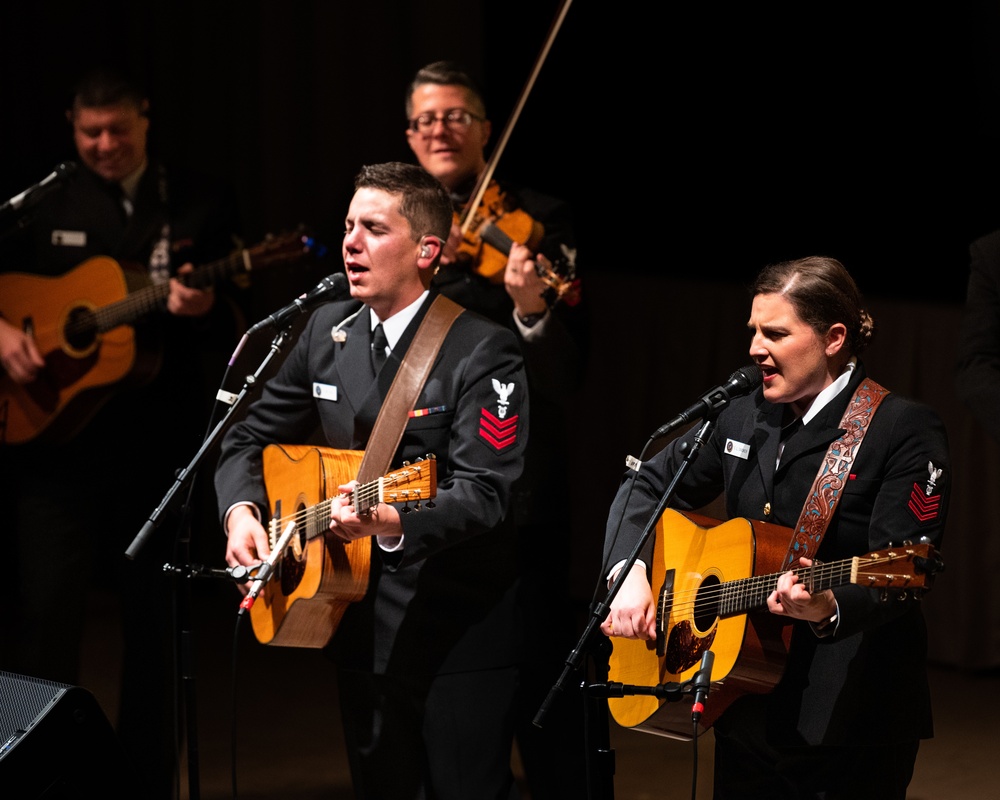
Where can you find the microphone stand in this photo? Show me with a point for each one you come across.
(604, 777)
(186, 477)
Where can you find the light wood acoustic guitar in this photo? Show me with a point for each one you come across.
(83, 324)
(712, 581)
(317, 576)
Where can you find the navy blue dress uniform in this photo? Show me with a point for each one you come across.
(866, 684)
(437, 622)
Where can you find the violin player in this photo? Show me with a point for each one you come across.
(448, 130)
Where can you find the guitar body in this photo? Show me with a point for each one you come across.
(317, 576)
(692, 556)
(79, 358)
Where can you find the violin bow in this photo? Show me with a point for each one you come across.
(487, 176)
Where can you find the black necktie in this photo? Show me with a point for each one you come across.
(117, 191)
(379, 343)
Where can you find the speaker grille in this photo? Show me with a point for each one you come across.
(23, 701)
(57, 744)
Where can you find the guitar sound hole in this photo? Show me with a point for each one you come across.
(81, 328)
(706, 605)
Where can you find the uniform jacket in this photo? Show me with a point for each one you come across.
(443, 603)
(867, 683)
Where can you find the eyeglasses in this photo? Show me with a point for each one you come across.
(452, 118)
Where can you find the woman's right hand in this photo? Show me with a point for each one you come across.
(633, 611)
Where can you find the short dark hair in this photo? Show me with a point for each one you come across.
(446, 73)
(105, 86)
(424, 202)
(823, 293)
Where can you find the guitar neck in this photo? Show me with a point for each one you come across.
(750, 594)
(150, 299)
(315, 519)
(413, 483)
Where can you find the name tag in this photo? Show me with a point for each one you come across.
(324, 391)
(69, 238)
(738, 449)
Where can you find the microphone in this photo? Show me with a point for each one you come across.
(36, 192)
(702, 682)
(741, 382)
(330, 288)
(266, 570)
(239, 573)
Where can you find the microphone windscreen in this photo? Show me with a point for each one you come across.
(747, 378)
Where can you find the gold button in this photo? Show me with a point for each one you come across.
(767, 509)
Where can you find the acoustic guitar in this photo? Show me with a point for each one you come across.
(83, 324)
(317, 576)
(711, 579)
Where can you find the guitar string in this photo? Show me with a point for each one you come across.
(146, 299)
(368, 495)
(737, 592)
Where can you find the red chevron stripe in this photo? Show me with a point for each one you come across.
(924, 508)
(499, 444)
(506, 430)
(498, 423)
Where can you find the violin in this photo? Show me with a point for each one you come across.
(490, 224)
(490, 230)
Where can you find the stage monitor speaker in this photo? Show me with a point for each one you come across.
(56, 742)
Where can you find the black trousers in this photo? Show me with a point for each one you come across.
(446, 739)
(748, 768)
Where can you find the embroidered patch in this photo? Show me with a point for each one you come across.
(500, 433)
(738, 449)
(932, 481)
(924, 507)
(503, 390)
(324, 391)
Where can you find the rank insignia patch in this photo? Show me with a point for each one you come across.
(500, 433)
(925, 507)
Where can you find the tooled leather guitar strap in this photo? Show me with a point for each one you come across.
(405, 389)
(833, 473)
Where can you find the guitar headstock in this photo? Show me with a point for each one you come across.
(283, 248)
(414, 482)
(909, 567)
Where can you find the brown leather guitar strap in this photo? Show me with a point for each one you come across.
(405, 389)
(833, 474)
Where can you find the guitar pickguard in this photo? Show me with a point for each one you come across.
(685, 648)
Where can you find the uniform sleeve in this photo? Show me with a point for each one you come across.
(286, 400)
(487, 440)
(910, 506)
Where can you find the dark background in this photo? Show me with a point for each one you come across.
(699, 143)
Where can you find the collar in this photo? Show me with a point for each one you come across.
(831, 391)
(130, 183)
(397, 323)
